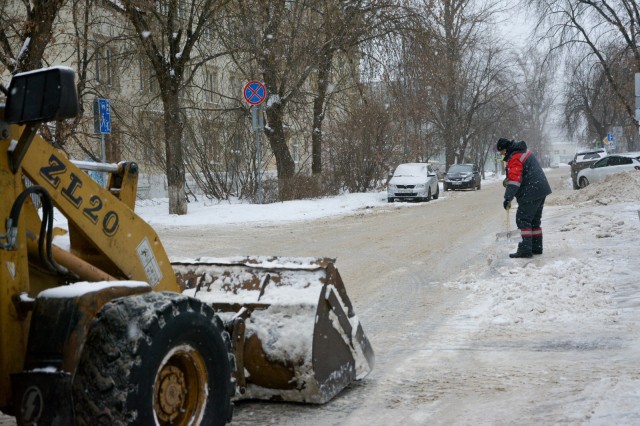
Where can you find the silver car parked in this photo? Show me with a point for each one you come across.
(413, 181)
(611, 164)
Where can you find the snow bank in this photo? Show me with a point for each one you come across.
(618, 188)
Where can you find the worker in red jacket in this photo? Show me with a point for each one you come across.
(527, 183)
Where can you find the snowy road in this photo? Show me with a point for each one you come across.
(462, 334)
(392, 261)
(438, 361)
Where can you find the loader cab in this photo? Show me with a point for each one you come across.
(43, 95)
(35, 97)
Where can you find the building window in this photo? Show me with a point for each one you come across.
(206, 31)
(162, 8)
(104, 66)
(148, 81)
(210, 85)
(182, 9)
(296, 153)
(236, 86)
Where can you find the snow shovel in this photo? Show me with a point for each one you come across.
(506, 235)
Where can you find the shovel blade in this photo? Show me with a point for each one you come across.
(507, 235)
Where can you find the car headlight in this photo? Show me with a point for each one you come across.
(420, 185)
(391, 187)
(467, 178)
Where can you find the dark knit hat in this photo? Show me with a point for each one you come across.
(503, 144)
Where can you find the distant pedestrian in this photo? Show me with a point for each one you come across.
(528, 184)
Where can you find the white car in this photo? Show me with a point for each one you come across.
(413, 181)
(611, 164)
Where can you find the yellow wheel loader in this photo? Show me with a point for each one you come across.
(99, 326)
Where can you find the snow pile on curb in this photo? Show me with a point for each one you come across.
(558, 291)
(618, 188)
(586, 270)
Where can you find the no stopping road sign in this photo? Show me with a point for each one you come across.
(254, 92)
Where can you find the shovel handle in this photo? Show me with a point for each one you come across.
(508, 224)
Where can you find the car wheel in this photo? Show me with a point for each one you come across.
(479, 185)
(445, 187)
(437, 194)
(584, 182)
(428, 194)
(390, 200)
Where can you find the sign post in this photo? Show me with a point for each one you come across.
(255, 93)
(102, 125)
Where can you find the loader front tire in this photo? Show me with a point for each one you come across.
(156, 358)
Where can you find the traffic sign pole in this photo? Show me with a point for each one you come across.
(256, 113)
(255, 93)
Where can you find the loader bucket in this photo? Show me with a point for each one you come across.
(293, 329)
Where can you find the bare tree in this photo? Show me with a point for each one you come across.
(42, 33)
(598, 25)
(221, 155)
(26, 30)
(591, 108)
(345, 26)
(271, 41)
(169, 33)
(535, 96)
(463, 68)
(362, 145)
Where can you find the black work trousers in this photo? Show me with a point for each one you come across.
(528, 220)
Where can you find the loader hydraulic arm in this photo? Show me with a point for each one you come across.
(125, 245)
(104, 230)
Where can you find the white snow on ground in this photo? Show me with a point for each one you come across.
(591, 248)
(234, 212)
(585, 285)
(578, 300)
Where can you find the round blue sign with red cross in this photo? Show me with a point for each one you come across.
(254, 92)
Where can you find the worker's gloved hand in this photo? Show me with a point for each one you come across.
(505, 182)
(506, 204)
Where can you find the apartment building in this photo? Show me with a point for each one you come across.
(111, 63)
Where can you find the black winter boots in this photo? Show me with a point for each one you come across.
(520, 254)
(524, 248)
(536, 244)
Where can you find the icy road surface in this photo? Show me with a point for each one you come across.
(463, 334)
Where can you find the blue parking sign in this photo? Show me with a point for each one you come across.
(104, 110)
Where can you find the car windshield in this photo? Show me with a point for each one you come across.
(410, 170)
(460, 168)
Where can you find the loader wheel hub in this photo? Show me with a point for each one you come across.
(180, 388)
(172, 390)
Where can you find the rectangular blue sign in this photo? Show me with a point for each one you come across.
(105, 115)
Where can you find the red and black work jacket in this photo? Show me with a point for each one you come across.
(526, 180)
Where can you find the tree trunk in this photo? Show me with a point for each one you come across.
(37, 35)
(173, 129)
(450, 137)
(318, 112)
(278, 143)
